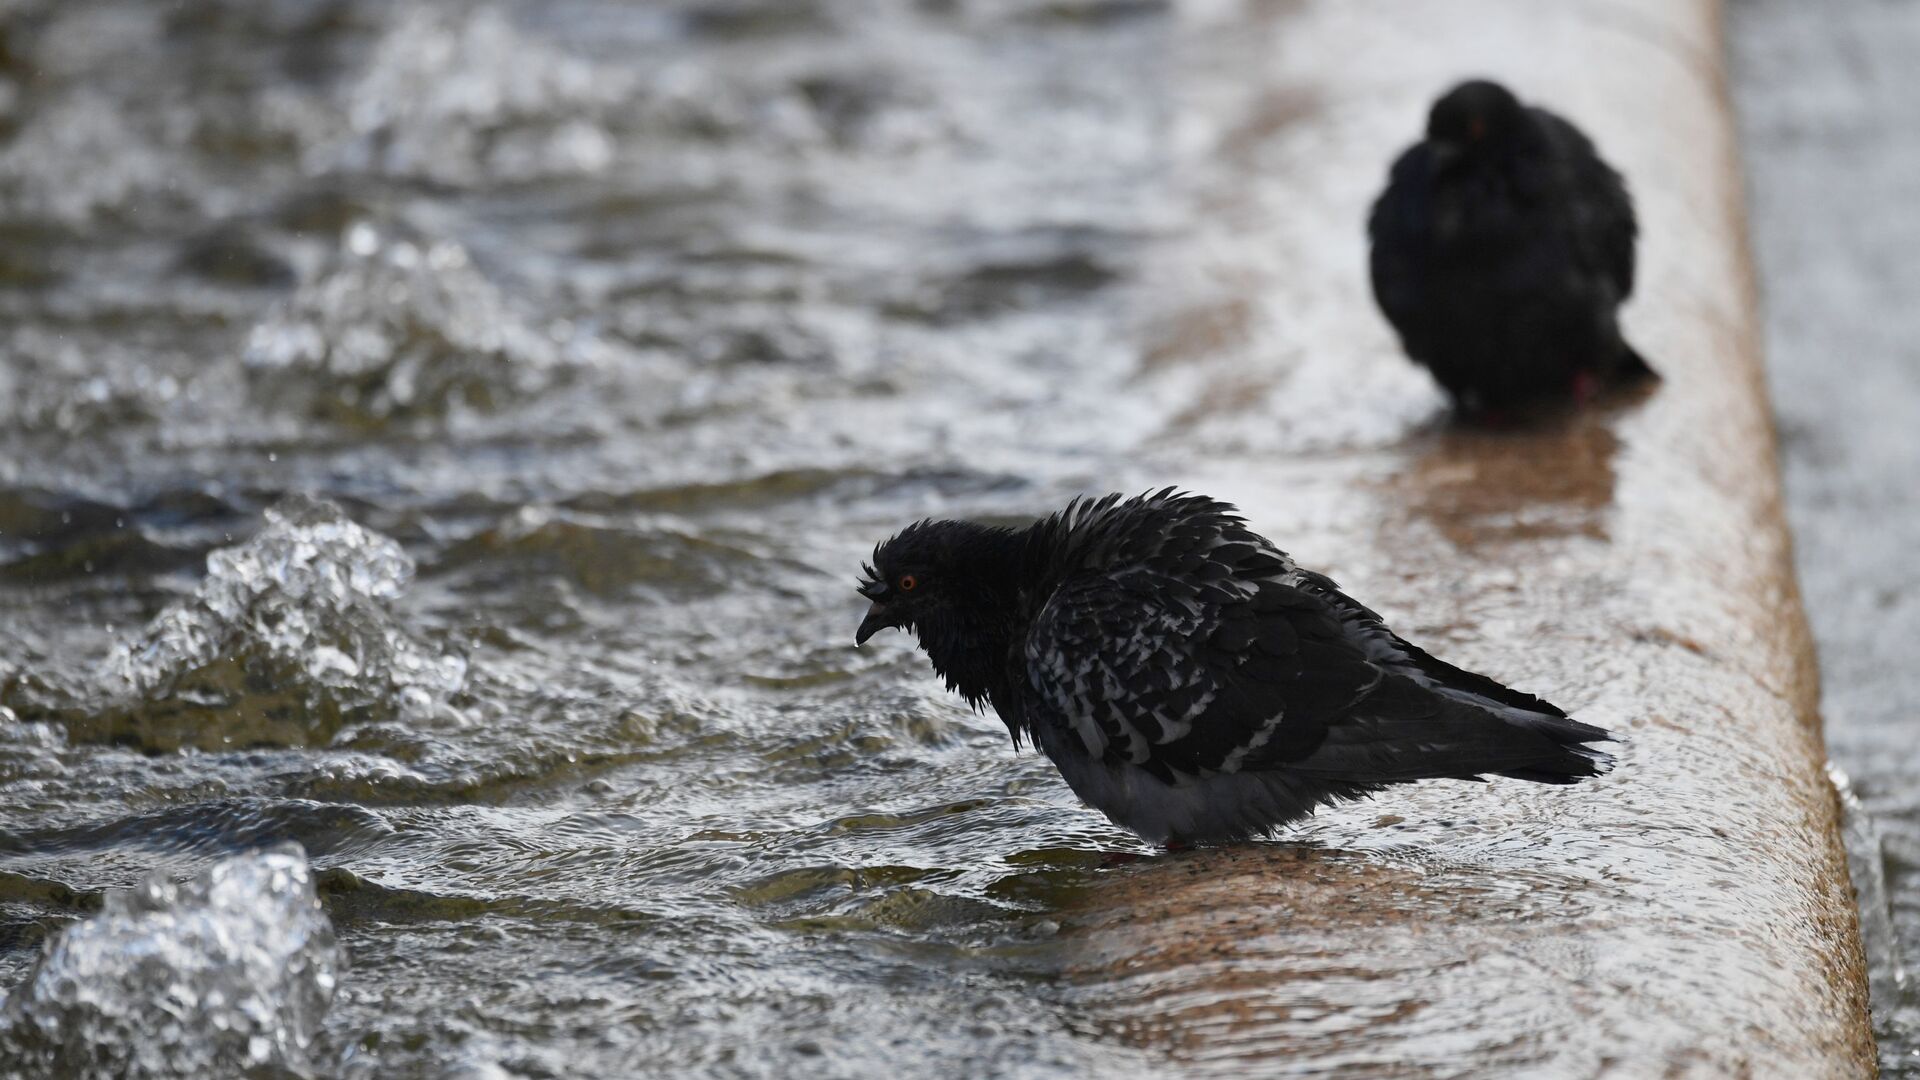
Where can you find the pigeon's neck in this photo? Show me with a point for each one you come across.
(972, 639)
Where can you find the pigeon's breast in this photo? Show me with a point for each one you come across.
(1215, 806)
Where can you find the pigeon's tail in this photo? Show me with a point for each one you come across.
(1418, 727)
(1565, 758)
(1533, 739)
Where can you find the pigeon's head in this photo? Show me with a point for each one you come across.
(934, 577)
(1471, 119)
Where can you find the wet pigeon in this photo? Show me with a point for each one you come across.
(1189, 679)
(1502, 250)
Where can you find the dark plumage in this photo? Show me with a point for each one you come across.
(1187, 678)
(1502, 249)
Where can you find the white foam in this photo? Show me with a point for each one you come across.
(230, 971)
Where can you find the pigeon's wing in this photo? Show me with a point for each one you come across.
(1397, 228)
(1528, 738)
(1177, 674)
(1602, 211)
(1147, 667)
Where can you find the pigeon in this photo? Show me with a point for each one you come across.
(1188, 678)
(1503, 247)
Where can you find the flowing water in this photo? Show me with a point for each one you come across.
(1832, 157)
(443, 437)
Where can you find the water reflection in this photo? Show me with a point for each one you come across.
(1549, 480)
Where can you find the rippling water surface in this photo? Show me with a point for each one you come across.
(443, 436)
(1832, 155)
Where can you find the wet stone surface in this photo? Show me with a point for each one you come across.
(444, 436)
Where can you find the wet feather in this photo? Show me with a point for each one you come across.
(1502, 249)
(1189, 679)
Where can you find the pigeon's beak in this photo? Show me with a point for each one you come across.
(1445, 152)
(879, 617)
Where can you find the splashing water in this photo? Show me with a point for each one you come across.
(288, 639)
(230, 971)
(637, 325)
(397, 328)
(457, 97)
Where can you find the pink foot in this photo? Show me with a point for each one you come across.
(1586, 387)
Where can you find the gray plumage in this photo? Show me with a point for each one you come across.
(1189, 679)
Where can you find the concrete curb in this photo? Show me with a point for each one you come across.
(1688, 915)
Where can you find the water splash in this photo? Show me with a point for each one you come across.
(28, 749)
(1887, 975)
(289, 638)
(459, 98)
(228, 973)
(77, 160)
(400, 328)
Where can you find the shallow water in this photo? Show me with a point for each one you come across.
(614, 337)
(444, 437)
(1832, 155)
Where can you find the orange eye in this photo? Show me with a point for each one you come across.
(908, 583)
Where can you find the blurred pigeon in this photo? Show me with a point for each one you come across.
(1502, 250)
(1188, 679)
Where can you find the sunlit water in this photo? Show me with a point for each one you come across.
(443, 436)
